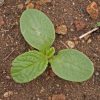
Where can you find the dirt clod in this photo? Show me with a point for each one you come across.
(76, 42)
(42, 90)
(70, 44)
(61, 12)
(27, 2)
(41, 2)
(1, 2)
(45, 1)
(8, 77)
(89, 41)
(8, 94)
(58, 97)
(79, 24)
(1, 21)
(20, 6)
(97, 73)
(62, 29)
(93, 10)
(30, 6)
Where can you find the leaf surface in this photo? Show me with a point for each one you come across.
(72, 65)
(28, 66)
(37, 29)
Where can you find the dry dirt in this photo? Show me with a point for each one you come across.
(43, 88)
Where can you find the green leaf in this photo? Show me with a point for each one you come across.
(28, 66)
(98, 24)
(50, 52)
(72, 65)
(37, 29)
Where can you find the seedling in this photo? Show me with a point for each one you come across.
(39, 32)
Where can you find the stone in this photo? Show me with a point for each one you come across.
(61, 29)
(93, 10)
(89, 41)
(58, 97)
(27, 2)
(79, 24)
(97, 73)
(42, 90)
(1, 21)
(20, 6)
(30, 6)
(1, 2)
(8, 94)
(70, 44)
(8, 77)
(46, 1)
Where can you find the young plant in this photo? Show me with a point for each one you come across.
(39, 32)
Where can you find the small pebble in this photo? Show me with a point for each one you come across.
(61, 36)
(7, 94)
(73, 3)
(58, 97)
(8, 77)
(83, 41)
(71, 44)
(49, 98)
(2, 82)
(61, 29)
(27, 1)
(89, 41)
(4, 72)
(76, 42)
(30, 6)
(57, 85)
(1, 21)
(38, 99)
(1, 2)
(97, 73)
(47, 1)
(86, 19)
(42, 90)
(79, 24)
(93, 10)
(72, 30)
(20, 6)
(65, 10)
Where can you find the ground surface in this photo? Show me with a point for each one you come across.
(47, 85)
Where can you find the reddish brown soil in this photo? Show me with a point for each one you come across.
(13, 44)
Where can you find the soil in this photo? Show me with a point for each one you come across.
(48, 84)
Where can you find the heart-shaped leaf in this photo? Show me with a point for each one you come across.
(28, 66)
(72, 65)
(37, 29)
